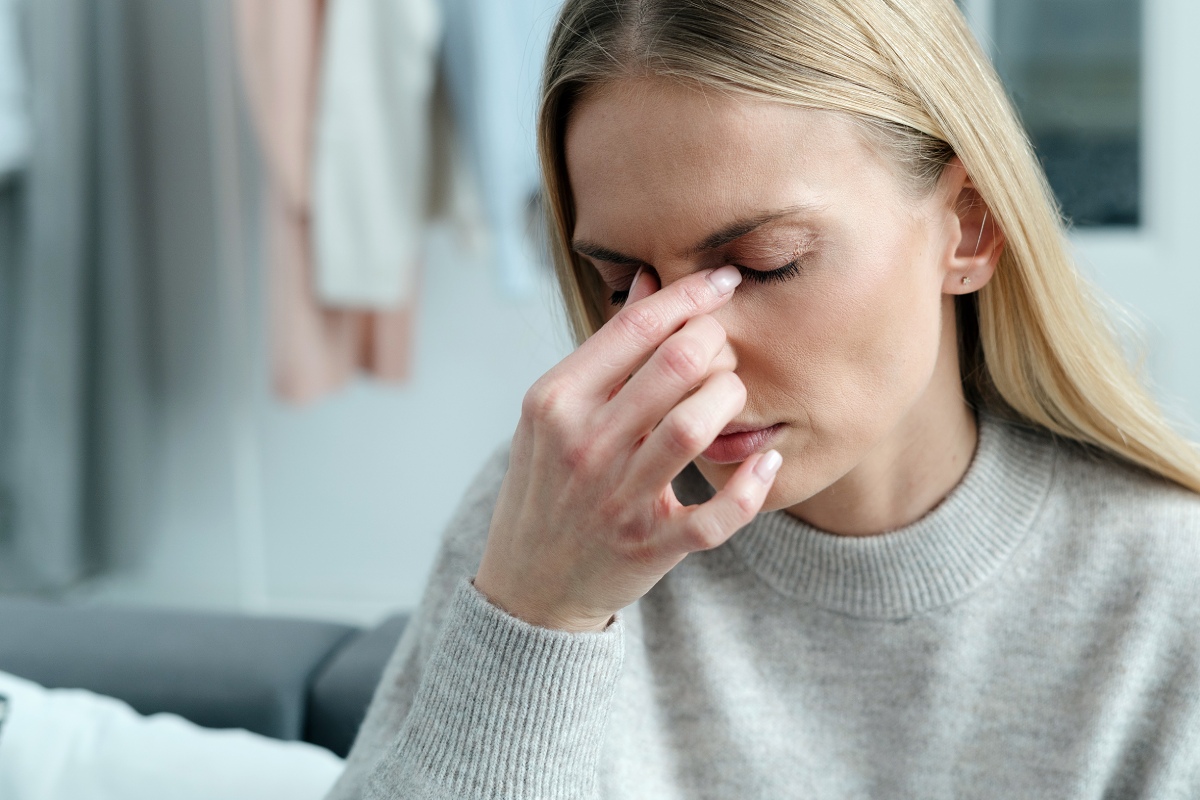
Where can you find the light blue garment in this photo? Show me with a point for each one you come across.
(494, 53)
(15, 133)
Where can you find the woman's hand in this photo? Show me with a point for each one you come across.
(586, 521)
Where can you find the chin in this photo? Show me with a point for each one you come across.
(789, 490)
(777, 501)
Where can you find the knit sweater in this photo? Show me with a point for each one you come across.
(1036, 635)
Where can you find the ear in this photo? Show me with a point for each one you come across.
(976, 240)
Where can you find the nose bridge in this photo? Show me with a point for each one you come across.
(670, 270)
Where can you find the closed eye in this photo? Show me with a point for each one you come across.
(787, 271)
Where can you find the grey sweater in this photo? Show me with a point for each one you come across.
(1037, 635)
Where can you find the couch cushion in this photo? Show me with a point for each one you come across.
(218, 670)
(342, 692)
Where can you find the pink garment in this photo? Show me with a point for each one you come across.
(313, 350)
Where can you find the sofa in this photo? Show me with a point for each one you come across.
(285, 678)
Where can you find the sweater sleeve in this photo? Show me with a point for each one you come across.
(476, 703)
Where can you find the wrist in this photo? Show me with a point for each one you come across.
(541, 616)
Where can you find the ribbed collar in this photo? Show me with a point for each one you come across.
(938, 559)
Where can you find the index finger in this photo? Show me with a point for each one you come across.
(616, 350)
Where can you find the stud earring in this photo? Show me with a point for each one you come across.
(966, 280)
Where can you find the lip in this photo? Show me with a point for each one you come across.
(739, 442)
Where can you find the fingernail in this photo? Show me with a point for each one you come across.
(768, 465)
(725, 279)
(636, 275)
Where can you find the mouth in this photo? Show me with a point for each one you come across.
(738, 442)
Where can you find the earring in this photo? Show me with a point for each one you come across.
(966, 280)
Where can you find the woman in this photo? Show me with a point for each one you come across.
(846, 491)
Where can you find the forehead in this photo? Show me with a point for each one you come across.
(654, 163)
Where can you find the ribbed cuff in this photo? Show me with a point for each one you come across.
(505, 710)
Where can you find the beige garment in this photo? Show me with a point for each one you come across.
(313, 350)
(372, 164)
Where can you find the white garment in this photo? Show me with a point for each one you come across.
(494, 53)
(68, 744)
(373, 160)
(16, 136)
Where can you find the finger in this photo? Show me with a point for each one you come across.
(679, 365)
(685, 432)
(711, 523)
(645, 283)
(615, 351)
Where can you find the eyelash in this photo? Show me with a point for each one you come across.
(787, 271)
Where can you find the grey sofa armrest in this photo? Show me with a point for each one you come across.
(341, 693)
(218, 670)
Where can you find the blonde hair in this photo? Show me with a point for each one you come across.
(1034, 343)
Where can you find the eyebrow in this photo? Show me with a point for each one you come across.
(720, 238)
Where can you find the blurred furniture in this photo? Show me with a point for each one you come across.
(285, 678)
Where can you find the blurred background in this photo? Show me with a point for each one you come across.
(270, 285)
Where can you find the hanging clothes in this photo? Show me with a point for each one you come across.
(372, 165)
(313, 349)
(15, 127)
(493, 55)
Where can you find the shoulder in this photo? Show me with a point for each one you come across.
(1123, 523)
(1113, 495)
(466, 533)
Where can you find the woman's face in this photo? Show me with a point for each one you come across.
(849, 343)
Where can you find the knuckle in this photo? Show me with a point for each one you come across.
(544, 400)
(686, 434)
(746, 506)
(695, 295)
(683, 360)
(712, 329)
(701, 532)
(642, 324)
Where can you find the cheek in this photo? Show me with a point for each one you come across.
(851, 344)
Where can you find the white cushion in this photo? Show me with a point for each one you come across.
(70, 744)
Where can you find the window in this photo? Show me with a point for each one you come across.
(1074, 71)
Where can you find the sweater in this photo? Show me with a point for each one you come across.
(1036, 635)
